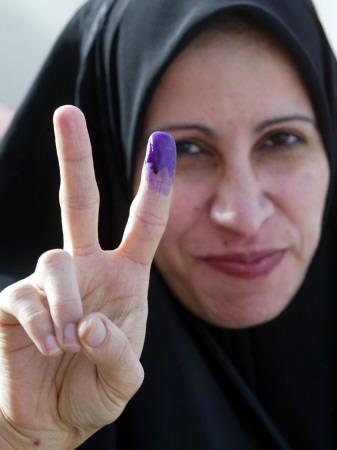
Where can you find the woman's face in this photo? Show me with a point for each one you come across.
(251, 182)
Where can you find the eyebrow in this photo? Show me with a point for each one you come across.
(294, 117)
(208, 131)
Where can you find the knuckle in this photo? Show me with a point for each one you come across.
(132, 383)
(124, 357)
(30, 317)
(138, 376)
(53, 259)
(18, 291)
(77, 156)
(119, 393)
(13, 299)
(148, 219)
(81, 201)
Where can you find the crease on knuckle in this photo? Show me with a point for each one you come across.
(15, 298)
(120, 394)
(31, 317)
(83, 250)
(147, 219)
(80, 202)
(137, 260)
(120, 387)
(16, 292)
(78, 157)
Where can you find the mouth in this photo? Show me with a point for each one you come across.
(246, 265)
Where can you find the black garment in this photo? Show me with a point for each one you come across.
(268, 387)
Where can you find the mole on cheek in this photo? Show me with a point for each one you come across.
(37, 442)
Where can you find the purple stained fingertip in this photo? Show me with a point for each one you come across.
(160, 162)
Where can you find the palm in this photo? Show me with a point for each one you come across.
(75, 393)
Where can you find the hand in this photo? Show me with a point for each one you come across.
(71, 333)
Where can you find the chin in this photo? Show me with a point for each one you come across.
(243, 313)
(234, 303)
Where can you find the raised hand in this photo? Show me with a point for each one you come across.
(71, 333)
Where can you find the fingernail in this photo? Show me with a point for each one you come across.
(51, 345)
(160, 162)
(95, 332)
(70, 340)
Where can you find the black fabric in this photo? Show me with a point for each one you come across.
(268, 387)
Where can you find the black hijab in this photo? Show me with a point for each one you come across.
(268, 387)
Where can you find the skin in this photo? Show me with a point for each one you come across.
(71, 333)
(242, 184)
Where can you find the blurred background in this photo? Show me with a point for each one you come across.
(28, 28)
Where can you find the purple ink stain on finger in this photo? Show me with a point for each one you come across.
(160, 162)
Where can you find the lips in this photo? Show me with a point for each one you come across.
(246, 265)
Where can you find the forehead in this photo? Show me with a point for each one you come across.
(231, 44)
(243, 71)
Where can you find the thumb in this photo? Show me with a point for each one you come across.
(119, 372)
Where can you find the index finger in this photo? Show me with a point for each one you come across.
(79, 197)
(150, 208)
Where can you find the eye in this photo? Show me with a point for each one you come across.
(195, 159)
(188, 148)
(281, 140)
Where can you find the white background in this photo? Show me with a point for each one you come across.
(29, 27)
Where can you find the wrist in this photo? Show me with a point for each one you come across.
(15, 438)
(8, 441)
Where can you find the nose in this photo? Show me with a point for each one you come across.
(241, 202)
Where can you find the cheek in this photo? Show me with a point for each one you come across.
(301, 195)
(187, 205)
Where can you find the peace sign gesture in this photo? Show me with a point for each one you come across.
(71, 333)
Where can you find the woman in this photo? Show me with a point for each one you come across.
(239, 349)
